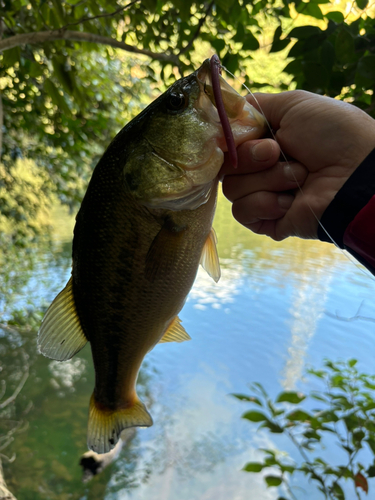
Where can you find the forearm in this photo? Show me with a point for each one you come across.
(350, 217)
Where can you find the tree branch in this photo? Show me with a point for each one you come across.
(79, 36)
(196, 34)
(107, 14)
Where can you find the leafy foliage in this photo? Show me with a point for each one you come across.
(66, 87)
(345, 415)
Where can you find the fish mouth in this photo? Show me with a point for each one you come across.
(196, 167)
(245, 121)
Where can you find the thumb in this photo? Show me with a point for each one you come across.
(275, 106)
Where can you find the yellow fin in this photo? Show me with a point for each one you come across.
(175, 332)
(209, 258)
(105, 425)
(60, 335)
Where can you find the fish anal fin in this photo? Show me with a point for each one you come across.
(105, 425)
(61, 336)
(175, 332)
(209, 258)
(164, 250)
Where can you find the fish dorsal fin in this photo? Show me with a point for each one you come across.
(175, 332)
(209, 258)
(60, 336)
(164, 250)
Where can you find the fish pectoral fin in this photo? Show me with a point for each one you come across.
(175, 332)
(105, 425)
(60, 336)
(164, 250)
(209, 258)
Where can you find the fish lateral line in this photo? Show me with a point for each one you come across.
(284, 156)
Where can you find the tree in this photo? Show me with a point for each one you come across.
(56, 112)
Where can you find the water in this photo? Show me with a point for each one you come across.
(278, 308)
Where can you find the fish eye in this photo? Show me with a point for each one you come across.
(176, 102)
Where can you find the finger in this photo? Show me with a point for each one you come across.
(252, 156)
(280, 177)
(262, 205)
(266, 227)
(275, 106)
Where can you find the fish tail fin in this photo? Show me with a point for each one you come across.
(105, 425)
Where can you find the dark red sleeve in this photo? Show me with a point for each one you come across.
(350, 217)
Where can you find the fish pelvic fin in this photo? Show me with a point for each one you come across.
(105, 425)
(175, 332)
(209, 258)
(61, 336)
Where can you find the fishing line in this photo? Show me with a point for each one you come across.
(346, 254)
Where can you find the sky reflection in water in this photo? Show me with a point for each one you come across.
(277, 308)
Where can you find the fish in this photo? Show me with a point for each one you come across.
(143, 228)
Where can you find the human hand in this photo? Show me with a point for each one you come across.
(326, 140)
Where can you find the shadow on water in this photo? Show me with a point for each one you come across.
(262, 322)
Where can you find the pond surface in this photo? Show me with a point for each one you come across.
(278, 308)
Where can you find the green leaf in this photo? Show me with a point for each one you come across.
(335, 16)
(294, 67)
(255, 416)
(366, 67)
(338, 491)
(184, 8)
(299, 415)
(273, 481)
(225, 4)
(344, 48)
(272, 426)
(57, 99)
(313, 10)
(253, 467)
(11, 56)
(250, 42)
(362, 4)
(371, 442)
(250, 399)
(352, 362)
(279, 45)
(290, 397)
(303, 32)
(327, 55)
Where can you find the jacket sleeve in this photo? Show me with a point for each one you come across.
(350, 218)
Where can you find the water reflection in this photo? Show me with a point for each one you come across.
(308, 304)
(264, 321)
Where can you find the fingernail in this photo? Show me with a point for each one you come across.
(261, 151)
(294, 172)
(285, 200)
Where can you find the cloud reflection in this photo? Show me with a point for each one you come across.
(197, 448)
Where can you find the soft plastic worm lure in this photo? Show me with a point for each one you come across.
(215, 76)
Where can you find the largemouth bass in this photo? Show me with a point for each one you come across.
(144, 226)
